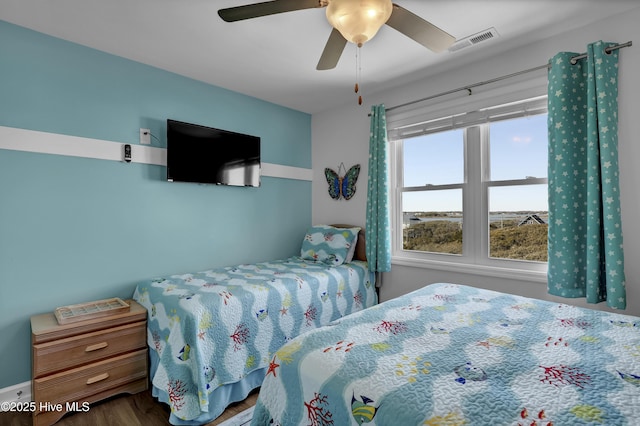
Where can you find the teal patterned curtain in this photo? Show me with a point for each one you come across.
(378, 226)
(585, 230)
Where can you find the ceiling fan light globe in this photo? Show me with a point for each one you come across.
(358, 20)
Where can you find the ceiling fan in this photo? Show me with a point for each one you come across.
(356, 21)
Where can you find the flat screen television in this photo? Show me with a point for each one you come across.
(201, 154)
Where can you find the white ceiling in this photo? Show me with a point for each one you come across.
(274, 57)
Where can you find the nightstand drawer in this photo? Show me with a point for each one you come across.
(82, 382)
(85, 348)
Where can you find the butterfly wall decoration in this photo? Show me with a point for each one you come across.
(345, 186)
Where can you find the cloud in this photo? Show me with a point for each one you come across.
(522, 139)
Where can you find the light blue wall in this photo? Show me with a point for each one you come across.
(77, 229)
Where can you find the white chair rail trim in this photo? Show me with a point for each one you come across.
(17, 139)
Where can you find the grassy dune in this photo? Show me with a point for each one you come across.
(510, 241)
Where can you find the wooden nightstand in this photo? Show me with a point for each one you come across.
(86, 361)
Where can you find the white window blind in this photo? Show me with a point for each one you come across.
(397, 130)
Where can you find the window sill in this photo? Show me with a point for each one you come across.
(473, 269)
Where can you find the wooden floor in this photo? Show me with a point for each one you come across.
(127, 410)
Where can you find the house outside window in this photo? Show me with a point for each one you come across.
(469, 190)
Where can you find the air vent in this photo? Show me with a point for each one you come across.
(474, 39)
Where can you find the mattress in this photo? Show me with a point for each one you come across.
(212, 334)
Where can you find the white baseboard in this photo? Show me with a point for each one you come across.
(15, 393)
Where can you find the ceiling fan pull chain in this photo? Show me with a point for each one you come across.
(357, 87)
(358, 73)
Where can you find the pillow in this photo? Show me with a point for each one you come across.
(327, 244)
(352, 250)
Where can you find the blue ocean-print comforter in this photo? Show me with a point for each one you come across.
(214, 328)
(454, 355)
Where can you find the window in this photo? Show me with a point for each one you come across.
(518, 205)
(433, 175)
(472, 188)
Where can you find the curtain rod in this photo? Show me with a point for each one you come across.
(468, 88)
(609, 49)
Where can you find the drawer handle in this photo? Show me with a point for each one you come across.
(97, 346)
(98, 378)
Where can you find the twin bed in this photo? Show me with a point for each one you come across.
(212, 335)
(455, 355)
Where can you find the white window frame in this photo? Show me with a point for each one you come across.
(475, 188)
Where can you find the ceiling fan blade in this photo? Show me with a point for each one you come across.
(423, 32)
(332, 51)
(233, 14)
